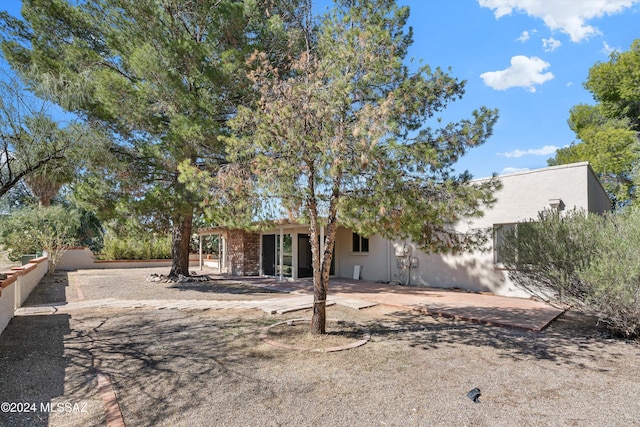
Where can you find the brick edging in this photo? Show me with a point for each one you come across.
(264, 336)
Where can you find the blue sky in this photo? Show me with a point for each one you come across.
(528, 58)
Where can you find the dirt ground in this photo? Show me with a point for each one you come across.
(210, 367)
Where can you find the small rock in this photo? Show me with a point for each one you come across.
(474, 394)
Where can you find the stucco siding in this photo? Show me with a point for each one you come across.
(599, 201)
(375, 263)
(522, 196)
(471, 271)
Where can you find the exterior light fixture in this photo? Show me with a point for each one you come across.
(556, 204)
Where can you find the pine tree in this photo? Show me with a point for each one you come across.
(161, 77)
(341, 136)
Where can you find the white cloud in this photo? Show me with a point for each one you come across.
(568, 16)
(523, 72)
(544, 151)
(550, 44)
(608, 50)
(526, 35)
(512, 170)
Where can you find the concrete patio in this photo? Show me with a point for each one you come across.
(518, 313)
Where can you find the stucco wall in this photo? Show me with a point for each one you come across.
(7, 301)
(598, 200)
(27, 280)
(375, 263)
(84, 259)
(16, 288)
(76, 259)
(523, 195)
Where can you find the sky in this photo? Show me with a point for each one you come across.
(527, 58)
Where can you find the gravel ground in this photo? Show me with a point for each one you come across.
(202, 368)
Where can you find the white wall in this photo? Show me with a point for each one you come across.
(523, 195)
(76, 259)
(598, 199)
(31, 275)
(18, 286)
(7, 302)
(83, 259)
(375, 263)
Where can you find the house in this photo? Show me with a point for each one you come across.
(284, 251)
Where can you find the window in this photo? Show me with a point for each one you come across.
(360, 244)
(500, 232)
(521, 246)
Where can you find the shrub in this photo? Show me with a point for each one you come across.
(591, 262)
(132, 248)
(32, 229)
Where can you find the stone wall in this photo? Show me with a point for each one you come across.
(243, 249)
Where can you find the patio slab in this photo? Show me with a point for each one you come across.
(517, 313)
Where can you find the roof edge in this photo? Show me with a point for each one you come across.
(540, 170)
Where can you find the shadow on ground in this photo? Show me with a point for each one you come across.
(32, 361)
(172, 367)
(223, 287)
(572, 339)
(164, 364)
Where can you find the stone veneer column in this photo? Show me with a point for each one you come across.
(243, 250)
(252, 254)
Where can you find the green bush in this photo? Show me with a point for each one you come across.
(116, 248)
(35, 229)
(591, 262)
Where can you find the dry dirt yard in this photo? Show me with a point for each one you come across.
(210, 368)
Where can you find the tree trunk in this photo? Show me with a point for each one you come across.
(181, 237)
(319, 317)
(321, 276)
(43, 187)
(322, 261)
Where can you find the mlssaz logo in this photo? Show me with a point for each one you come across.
(67, 407)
